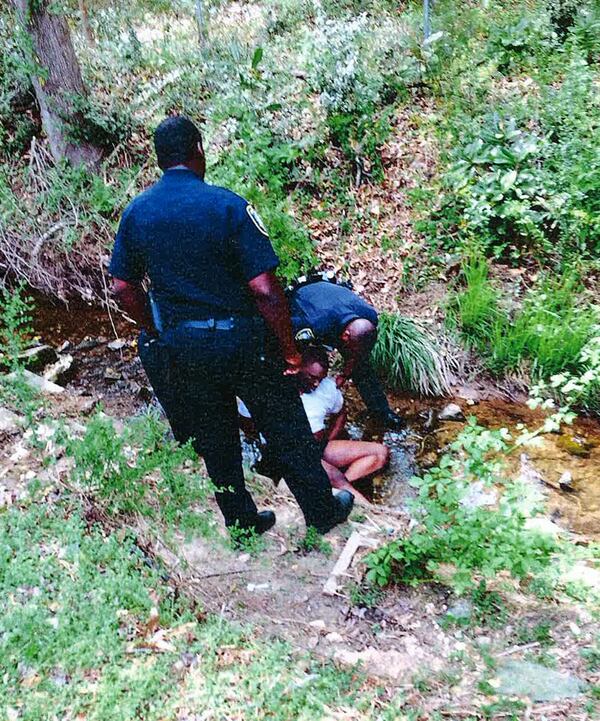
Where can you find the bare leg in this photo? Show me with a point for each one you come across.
(339, 480)
(359, 458)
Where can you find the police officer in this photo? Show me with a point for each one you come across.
(225, 329)
(339, 318)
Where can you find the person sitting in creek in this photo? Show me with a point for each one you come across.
(345, 461)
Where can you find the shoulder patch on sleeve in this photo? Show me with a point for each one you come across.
(256, 219)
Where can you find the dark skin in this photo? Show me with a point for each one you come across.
(355, 343)
(266, 290)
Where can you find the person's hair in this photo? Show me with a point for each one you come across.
(175, 140)
(316, 354)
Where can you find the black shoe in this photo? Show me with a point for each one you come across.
(343, 502)
(391, 420)
(263, 521)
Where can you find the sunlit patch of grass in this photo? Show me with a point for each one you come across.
(408, 357)
(548, 332)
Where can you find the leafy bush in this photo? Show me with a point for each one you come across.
(515, 45)
(408, 357)
(358, 67)
(473, 539)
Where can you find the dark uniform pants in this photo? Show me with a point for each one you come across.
(370, 388)
(197, 374)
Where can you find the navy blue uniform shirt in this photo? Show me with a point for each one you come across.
(198, 243)
(327, 308)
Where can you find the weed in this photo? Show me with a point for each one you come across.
(538, 633)
(247, 540)
(591, 654)
(408, 357)
(365, 596)
(15, 328)
(549, 332)
(314, 541)
(138, 469)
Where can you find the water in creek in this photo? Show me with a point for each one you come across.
(565, 467)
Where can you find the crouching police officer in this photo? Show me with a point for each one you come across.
(339, 318)
(225, 329)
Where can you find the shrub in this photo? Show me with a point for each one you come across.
(473, 539)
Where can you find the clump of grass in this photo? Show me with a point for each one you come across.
(408, 358)
(548, 332)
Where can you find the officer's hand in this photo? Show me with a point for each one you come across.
(293, 363)
(341, 380)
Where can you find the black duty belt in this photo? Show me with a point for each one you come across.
(209, 324)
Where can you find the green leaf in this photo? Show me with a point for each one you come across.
(257, 57)
(508, 180)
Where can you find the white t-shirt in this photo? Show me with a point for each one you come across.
(325, 400)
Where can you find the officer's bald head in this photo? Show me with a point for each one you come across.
(178, 142)
(358, 337)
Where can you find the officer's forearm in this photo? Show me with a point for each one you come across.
(272, 305)
(134, 302)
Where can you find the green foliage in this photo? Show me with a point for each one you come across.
(473, 539)
(520, 163)
(408, 357)
(549, 330)
(520, 43)
(540, 632)
(363, 595)
(138, 469)
(83, 614)
(15, 328)
(314, 541)
(246, 539)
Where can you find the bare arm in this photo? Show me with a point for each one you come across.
(273, 306)
(134, 301)
(339, 421)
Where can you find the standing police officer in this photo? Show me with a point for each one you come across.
(225, 329)
(339, 318)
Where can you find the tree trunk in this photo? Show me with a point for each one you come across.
(199, 13)
(59, 83)
(85, 24)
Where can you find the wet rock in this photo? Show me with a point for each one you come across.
(111, 375)
(575, 445)
(117, 344)
(537, 682)
(462, 608)
(60, 372)
(451, 412)
(88, 343)
(565, 482)
(37, 358)
(9, 421)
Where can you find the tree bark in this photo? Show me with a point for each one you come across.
(59, 83)
(199, 13)
(85, 24)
